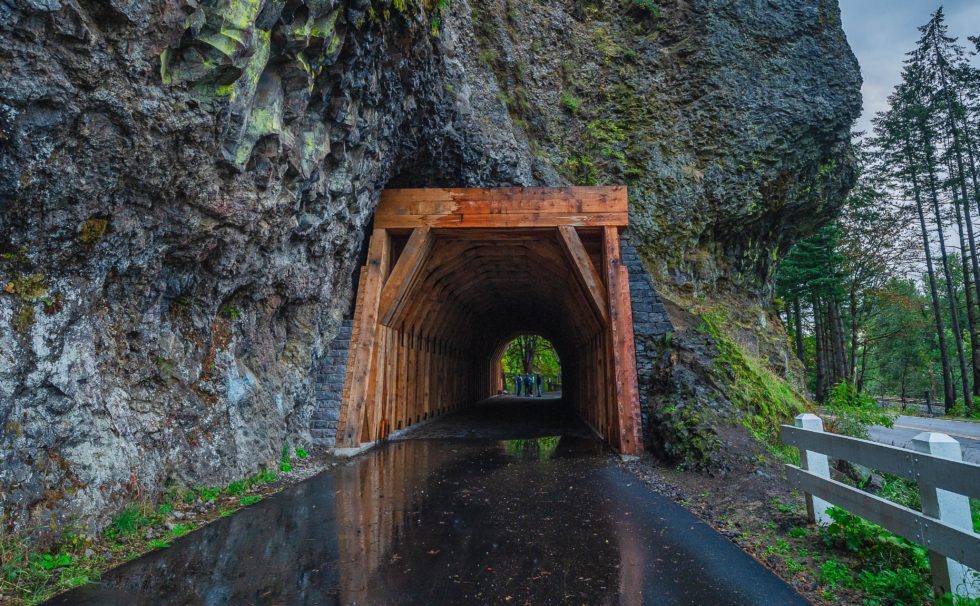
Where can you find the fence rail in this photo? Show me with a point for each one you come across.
(944, 526)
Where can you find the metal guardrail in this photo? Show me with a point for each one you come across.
(944, 525)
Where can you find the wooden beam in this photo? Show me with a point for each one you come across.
(518, 220)
(360, 361)
(585, 273)
(504, 200)
(404, 273)
(622, 349)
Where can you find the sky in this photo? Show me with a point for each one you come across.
(882, 31)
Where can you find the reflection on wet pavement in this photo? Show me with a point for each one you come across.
(545, 520)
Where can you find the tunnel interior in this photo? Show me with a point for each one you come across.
(443, 293)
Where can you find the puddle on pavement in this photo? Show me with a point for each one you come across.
(552, 520)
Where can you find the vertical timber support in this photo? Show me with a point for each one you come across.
(362, 360)
(622, 350)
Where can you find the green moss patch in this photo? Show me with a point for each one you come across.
(766, 400)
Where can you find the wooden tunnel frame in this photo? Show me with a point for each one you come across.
(452, 275)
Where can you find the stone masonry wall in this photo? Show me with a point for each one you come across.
(330, 389)
(650, 324)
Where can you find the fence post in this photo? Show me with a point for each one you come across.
(817, 464)
(948, 575)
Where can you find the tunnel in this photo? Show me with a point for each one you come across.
(453, 275)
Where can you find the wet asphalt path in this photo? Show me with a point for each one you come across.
(443, 520)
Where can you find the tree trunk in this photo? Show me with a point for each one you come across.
(949, 392)
(864, 365)
(799, 331)
(957, 149)
(835, 336)
(971, 312)
(954, 316)
(821, 375)
(852, 359)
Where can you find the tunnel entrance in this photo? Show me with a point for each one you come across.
(454, 275)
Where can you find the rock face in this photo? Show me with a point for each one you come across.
(184, 188)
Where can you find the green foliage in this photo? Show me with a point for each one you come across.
(900, 586)
(32, 577)
(901, 491)
(129, 521)
(265, 476)
(49, 561)
(851, 413)
(207, 493)
(235, 488)
(285, 462)
(835, 574)
(230, 312)
(877, 546)
(571, 102)
(582, 170)
(250, 500)
(893, 569)
(180, 530)
(301, 453)
(531, 354)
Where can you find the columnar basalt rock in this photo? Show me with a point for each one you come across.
(184, 188)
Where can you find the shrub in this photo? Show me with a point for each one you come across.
(851, 413)
(571, 102)
(834, 574)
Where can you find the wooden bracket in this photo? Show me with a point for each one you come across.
(585, 271)
(403, 275)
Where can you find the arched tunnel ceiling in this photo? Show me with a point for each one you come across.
(474, 289)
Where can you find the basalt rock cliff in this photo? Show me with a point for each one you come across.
(185, 187)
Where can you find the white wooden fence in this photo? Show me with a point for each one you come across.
(945, 484)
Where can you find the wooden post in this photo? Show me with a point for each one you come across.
(361, 357)
(622, 349)
(817, 464)
(948, 575)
